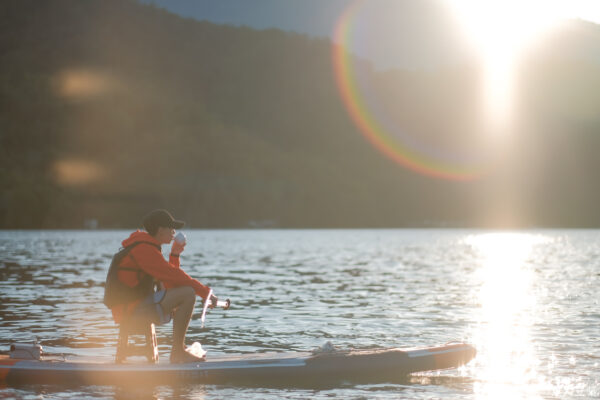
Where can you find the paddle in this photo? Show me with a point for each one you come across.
(182, 239)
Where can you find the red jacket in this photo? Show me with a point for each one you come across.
(148, 258)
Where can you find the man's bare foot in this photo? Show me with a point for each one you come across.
(185, 357)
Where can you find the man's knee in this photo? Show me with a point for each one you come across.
(178, 296)
(183, 294)
(188, 293)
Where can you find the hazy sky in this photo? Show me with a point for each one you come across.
(391, 33)
(408, 33)
(315, 17)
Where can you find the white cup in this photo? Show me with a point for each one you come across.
(180, 238)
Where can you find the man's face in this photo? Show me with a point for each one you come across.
(165, 235)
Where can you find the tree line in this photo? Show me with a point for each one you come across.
(109, 109)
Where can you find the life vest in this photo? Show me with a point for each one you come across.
(117, 292)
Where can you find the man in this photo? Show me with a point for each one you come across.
(143, 266)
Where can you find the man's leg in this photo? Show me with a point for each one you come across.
(181, 300)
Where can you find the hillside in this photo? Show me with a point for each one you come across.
(111, 108)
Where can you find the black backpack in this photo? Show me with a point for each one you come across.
(117, 292)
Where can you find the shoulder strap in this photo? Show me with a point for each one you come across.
(131, 246)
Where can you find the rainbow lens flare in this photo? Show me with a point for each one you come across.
(378, 125)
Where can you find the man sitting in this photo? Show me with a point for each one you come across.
(144, 266)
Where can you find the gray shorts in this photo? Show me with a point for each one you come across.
(149, 309)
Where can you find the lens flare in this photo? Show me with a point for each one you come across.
(84, 83)
(378, 127)
(71, 172)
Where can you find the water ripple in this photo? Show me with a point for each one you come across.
(294, 290)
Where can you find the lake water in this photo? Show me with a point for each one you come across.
(528, 301)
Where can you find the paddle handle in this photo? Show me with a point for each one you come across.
(224, 304)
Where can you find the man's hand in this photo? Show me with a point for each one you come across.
(177, 248)
(213, 301)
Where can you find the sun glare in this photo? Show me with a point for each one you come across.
(500, 30)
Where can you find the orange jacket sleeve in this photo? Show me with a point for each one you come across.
(151, 260)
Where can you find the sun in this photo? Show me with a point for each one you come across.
(501, 31)
(505, 25)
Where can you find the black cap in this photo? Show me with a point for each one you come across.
(161, 219)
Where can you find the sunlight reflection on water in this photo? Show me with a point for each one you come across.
(506, 351)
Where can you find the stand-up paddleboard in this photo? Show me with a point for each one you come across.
(268, 368)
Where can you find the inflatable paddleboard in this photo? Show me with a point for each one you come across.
(266, 368)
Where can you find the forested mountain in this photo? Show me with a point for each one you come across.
(109, 109)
